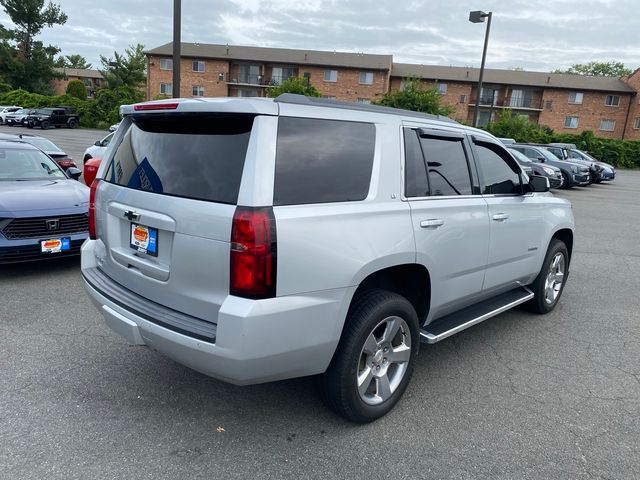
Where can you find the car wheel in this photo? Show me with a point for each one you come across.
(29, 125)
(549, 283)
(375, 358)
(72, 124)
(565, 181)
(44, 125)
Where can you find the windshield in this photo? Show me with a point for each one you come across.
(520, 157)
(27, 164)
(42, 144)
(547, 154)
(22, 111)
(44, 111)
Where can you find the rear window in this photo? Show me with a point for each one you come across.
(193, 156)
(320, 161)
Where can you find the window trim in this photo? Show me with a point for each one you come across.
(166, 60)
(444, 91)
(365, 72)
(324, 75)
(636, 123)
(564, 124)
(575, 102)
(193, 87)
(165, 93)
(198, 62)
(617, 104)
(613, 122)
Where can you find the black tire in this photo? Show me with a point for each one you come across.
(29, 125)
(566, 183)
(539, 304)
(44, 125)
(72, 123)
(338, 386)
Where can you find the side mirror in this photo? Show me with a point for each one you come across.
(541, 159)
(98, 144)
(74, 172)
(538, 183)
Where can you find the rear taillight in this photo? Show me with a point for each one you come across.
(92, 209)
(253, 253)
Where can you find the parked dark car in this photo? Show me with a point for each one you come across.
(608, 171)
(52, 117)
(47, 146)
(556, 180)
(43, 211)
(19, 117)
(574, 174)
(562, 152)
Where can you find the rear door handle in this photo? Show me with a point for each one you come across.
(500, 217)
(432, 223)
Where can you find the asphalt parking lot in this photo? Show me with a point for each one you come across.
(517, 397)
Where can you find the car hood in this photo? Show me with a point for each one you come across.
(29, 195)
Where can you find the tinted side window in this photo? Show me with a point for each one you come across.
(415, 172)
(500, 175)
(321, 161)
(447, 164)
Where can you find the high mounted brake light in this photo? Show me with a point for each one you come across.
(155, 106)
(92, 209)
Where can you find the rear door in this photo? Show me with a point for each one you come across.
(166, 206)
(450, 218)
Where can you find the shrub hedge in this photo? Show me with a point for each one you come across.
(620, 153)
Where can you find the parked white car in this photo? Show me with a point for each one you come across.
(4, 111)
(97, 148)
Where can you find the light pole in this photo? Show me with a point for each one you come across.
(478, 17)
(175, 88)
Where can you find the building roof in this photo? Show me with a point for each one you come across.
(278, 55)
(79, 72)
(512, 77)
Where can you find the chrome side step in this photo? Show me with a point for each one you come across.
(456, 322)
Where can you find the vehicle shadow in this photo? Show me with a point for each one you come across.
(52, 266)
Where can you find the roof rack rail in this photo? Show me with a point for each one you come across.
(330, 103)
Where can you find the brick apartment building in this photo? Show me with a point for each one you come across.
(567, 103)
(221, 70)
(92, 80)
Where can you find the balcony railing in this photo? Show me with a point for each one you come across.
(261, 80)
(509, 102)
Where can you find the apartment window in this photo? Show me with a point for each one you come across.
(197, 91)
(366, 101)
(463, 99)
(636, 123)
(607, 125)
(87, 82)
(166, 89)
(576, 98)
(366, 78)
(198, 66)
(166, 64)
(280, 74)
(441, 88)
(612, 100)
(571, 122)
(548, 104)
(330, 76)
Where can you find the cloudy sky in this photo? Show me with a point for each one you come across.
(530, 34)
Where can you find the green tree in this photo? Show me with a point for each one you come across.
(299, 85)
(126, 69)
(30, 17)
(415, 96)
(24, 61)
(519, 128)
(605, 69)
(75, 88)
(72, 61)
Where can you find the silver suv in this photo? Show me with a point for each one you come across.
(256, 240)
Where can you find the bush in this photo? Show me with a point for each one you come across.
(417, 98)
(75, 88)
(620, 153)
(299, 85)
